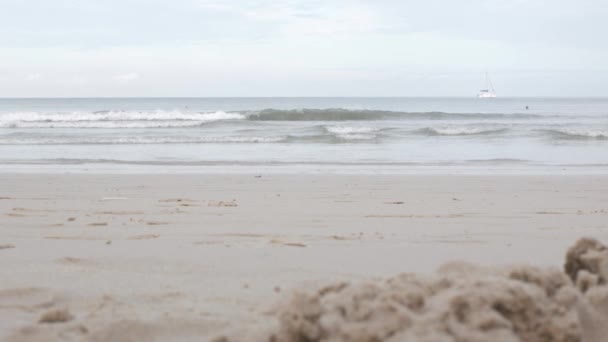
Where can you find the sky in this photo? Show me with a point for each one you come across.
(107, 48)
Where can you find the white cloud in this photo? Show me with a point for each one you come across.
(215, 6)
(33, 77)
(259, 10)
(126, 78)
(297, 17)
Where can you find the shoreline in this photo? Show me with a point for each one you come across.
(307, 169)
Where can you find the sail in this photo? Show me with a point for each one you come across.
(489, 91)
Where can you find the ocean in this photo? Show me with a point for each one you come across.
(353, 135)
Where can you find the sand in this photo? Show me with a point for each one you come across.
(196, 257)
(461, 302)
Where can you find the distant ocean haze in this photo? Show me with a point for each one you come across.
(521, 132)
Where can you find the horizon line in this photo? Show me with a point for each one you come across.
(306, 96)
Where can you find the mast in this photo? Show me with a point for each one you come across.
(489, 91)
(489, 84)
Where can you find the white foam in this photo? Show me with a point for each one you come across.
(137, 140)
(350, 129)
(463, 130)
(113, 119)
(352, 132)
(103, 124)
(357, 136)
(585, 133)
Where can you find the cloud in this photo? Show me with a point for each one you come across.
(261, 10)
(126, 78)
(33, 77)
(295, 18)
(300, 47)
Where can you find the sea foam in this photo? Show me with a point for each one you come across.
(462, 130)
(579, 133)
(113, 119)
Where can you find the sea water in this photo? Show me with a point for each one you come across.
(304, 134)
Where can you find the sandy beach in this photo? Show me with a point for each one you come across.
(186, 257)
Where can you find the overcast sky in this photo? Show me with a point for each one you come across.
(302, 47)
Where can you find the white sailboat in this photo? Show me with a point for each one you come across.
(489, 91)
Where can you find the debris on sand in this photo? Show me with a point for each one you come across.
(460, 302)
(7, 246)
(56, 316)
(283, 243)
(223, 203)
(144, 237)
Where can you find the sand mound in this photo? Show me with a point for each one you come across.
(460, 302)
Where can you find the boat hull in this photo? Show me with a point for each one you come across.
(486, 95)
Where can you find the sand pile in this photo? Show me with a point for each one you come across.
(460, 302)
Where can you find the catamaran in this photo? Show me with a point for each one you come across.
(488, 92)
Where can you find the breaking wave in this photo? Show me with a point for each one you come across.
(352, 132)
(350, 129)
(109, 140)
(176, 118)
(340, 114)
(462, 130)
(113, 119)
(578, 134)
(119, 116)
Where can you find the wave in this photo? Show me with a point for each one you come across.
(352, 132)
(357, 136)
(138, 140)
(341, 114)
(103, 124)
(113, 119)
(176, 118)
(145, 140)
(578, 134)
(157, 115)
(83, 161)
(327, 125)
(350, 129)
(455, 131)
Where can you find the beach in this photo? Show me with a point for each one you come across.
(303, 171)
(191, 256)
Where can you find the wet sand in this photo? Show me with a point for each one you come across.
(132, 257)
